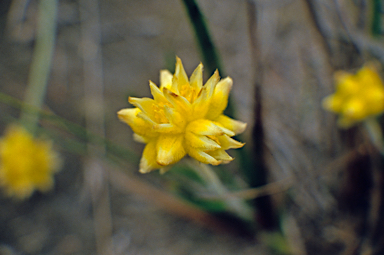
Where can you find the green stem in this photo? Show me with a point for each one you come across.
(376, 17)
(235, 204)
(375, 133)
(41, 61)
(208, 50)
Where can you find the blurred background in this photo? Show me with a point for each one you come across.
(281, 55)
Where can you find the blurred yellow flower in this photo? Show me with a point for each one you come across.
(357, 97)
(26, 163)
(184, 117)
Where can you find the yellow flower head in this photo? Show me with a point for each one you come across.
(357, 97)
(26, 163)
(184, 117)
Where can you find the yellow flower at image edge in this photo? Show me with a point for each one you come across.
(357, 97)
(26, 163)
(184, 117)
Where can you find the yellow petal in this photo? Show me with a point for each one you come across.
(369, 76)
(219, 98)
(145, 118)
(204, 127)
(201, 104)
(157, 94)
(196, 79)
(167, 128)
(180, 104)
(333, 103)
(180, 78)
(200, 142)
(128, 115)
(211, 83)
(179, 71)
(137, 124)
(228, 143)
(169, 149)
(374, 99)
(355, 109)
(346, 83)
(146, 105)
(221, 155)
(225, 130)
(148, 159)
(140, 138)
(165, 79)
(175, 117)
(202, 156)
(236, 126)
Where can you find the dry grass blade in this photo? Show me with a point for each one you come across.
(94, 171)
(165, 201)
(266, 190)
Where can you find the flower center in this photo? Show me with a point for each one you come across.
(190, 93)
(159, 113)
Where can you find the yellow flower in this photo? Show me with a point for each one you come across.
(26, 163)
(184, 117)
(357, 97)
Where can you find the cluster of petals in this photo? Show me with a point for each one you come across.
(26, 163)
(357, 97)
(184, 117)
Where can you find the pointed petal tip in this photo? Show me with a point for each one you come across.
(240, 145)
(199, 68)
(227, 160)
(216, 163)
(144, 171)
(241, 127)
(165, 79)
(202, 142)
(221, 155)
(127, 113)
(139, 138)
(145, 167)
(121, 112)
(179, 64)
(151, 83)
(226, 131)
(203, 157)
(162, 161)
(204, 127)
(216, 74)
(229, 81)
(132, 100)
